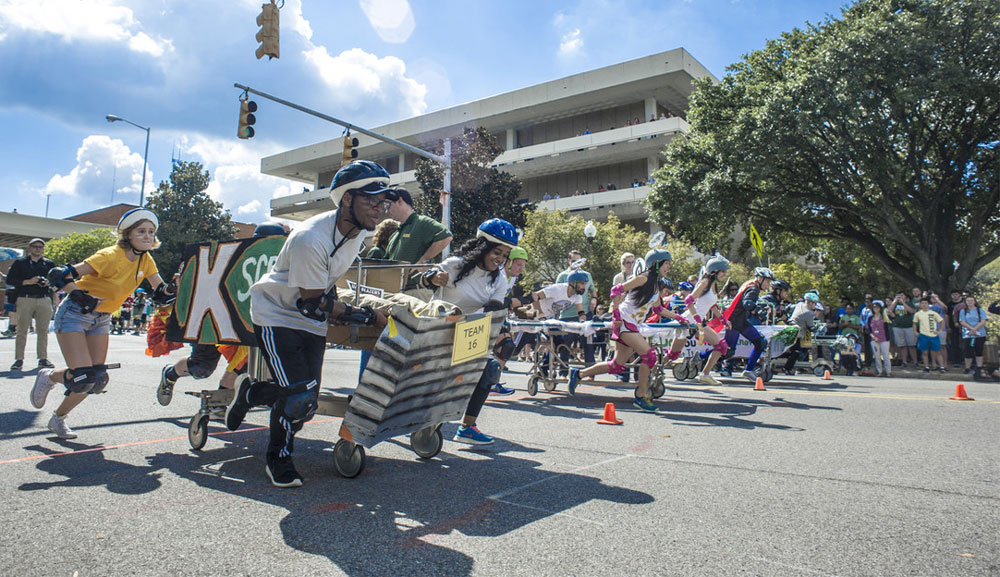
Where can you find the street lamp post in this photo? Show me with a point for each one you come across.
(590, 231)
(145, 155)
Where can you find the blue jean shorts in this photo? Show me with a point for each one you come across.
(70, 318)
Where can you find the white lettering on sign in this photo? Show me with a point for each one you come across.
(207, 297)
(366, 290)
(253, 269)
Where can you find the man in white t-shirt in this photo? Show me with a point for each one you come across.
(292, 305)
(555, 298)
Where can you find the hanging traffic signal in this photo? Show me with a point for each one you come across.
(268, 35)
(247, 119)
(350, 150)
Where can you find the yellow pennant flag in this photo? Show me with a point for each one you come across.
(756, 241)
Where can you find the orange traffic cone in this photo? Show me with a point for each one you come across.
(960, 394)
(759, 385)
(609, 415)
(826, 376)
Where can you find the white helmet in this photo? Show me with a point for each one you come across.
(135, 216)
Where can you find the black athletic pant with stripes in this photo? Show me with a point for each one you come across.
(294, 357)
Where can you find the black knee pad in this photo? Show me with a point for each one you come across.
(81, 380)
(299, 402)
(759, 343)
(101, 379)
(199, 371)
(490, 376)
(504, 349)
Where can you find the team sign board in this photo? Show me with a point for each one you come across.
(213, 293)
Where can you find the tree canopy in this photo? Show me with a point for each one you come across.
(876, 132)
(187, 215)
(478, 191)
(76, 247)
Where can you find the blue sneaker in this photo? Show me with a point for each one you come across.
(500, 390)
(643, 405)
(574, 376)
(472, 436)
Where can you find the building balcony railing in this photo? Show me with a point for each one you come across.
(596, 199)
(625, 134)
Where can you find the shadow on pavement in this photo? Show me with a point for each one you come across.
(388, 521)
(92, 469)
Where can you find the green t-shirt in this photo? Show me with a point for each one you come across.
(850, 320)
(414, 237)
(376, 252)
(902, 319)
(567, 313)
(412, 240)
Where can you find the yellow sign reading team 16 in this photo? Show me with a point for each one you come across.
(472, 339)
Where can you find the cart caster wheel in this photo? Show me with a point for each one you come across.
(820, 370)
(679, 370)
(549, 384)
(348, 458)
(533, 385)
(198, 431)
(427, 442)
(656, 388)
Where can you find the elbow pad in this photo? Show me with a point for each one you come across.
(689, 300)
(316, 308)
(87, 303)
(494, 306)
(617, 290)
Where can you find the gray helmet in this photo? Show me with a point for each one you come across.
(763, 272)
(654, 257)
(716, 264)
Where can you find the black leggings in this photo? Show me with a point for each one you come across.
(974, 347)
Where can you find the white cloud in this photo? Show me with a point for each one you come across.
(571, 44)
(391, 19)
(80, 20)
(236, 178)
(252, 208)
(102, 164)
(356, 78)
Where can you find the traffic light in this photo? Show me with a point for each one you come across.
(247, 119)
(268, 33)
(350, 150)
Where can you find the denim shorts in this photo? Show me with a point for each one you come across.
(70, 318)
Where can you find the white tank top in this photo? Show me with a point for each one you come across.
(633, 314)
(702, 304)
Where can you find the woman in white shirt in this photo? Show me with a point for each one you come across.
(474, 280)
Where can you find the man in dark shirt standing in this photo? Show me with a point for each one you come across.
(419, 239)
(34, 301)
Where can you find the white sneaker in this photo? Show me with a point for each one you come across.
(750, 376)
(58, 426)
(708, 380)
(40, 392)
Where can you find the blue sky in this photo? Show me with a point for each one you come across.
(171, 65)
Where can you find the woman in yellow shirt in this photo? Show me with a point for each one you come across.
(97, 287)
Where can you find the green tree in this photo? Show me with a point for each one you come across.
(877, 129)
(187, 215)
(549, 236)
(478, 191)
(77, 246)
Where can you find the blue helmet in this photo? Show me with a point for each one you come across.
(654, 257)
(364, 175)
(685, 286)
(269, 229)
(499, 231)
(665, 283)
(577, 276)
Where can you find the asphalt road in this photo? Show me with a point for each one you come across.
(849, 477)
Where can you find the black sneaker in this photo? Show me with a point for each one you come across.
(45, 364)
(165, 390)
(282, 472)
(927, 369)
(237, 410)
(17, 365)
